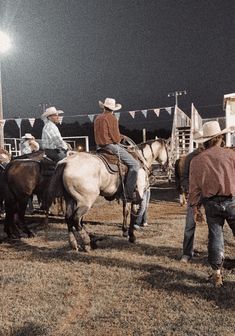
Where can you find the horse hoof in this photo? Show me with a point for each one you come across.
(125, 234)
(87, 248)
(132, 240)
(93, 245)
(31, 235)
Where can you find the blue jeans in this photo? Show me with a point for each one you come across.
(142, 215)
(189, 231)
(132, 164)
(218, 209)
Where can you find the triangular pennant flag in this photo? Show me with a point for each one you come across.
(18, 121)
(168, 109)
(60, 119)
(144, 113)
(132, 113)
(31, 120)
(117, 115)
(157, 111)
(2, 122)
(91, 117)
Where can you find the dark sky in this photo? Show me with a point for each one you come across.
(73, 53)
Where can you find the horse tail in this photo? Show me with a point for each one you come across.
(56, 187)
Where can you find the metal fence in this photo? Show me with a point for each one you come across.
(78, 143)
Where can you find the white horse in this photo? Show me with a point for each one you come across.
(82, 177)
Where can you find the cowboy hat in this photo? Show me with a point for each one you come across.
(51, 111)
(110, 103)
(210, 130)
(197, 135)
(28, 136)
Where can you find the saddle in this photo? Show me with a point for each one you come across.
(111, 162)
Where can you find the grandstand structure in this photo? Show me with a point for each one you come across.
(184, 128)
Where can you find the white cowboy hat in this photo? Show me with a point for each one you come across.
(211, 129)
(28, 136)
(197, 135)
(51, 111)
(110, 103)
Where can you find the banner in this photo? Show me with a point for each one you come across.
(18, 121)
(132, 113)
(157, 111)
(31, 120)
(117, 115)
(91, 117)
(168, 109)
(144, 112)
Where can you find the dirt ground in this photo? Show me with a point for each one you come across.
(119, 288)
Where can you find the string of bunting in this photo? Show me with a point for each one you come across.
(92, 116)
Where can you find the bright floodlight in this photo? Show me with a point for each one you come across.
(5, 42)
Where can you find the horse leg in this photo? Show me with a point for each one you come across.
(21, 217)
(125, 212)
(10, 224)
(78, 237)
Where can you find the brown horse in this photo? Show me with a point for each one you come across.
(23, 177)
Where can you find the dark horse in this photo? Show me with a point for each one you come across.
(23, 177)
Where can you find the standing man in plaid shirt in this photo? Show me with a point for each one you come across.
(52, 142)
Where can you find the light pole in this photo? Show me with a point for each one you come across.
(176, 94)
(5, 44)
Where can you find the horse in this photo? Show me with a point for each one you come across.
(23, 177)
(81, 177)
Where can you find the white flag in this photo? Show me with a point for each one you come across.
(91, 117)
(132, 113)
(168, 109)
(60, 119)
(31, 120)
(144, 113)
(117, 115)
(18, 121)
(157, 111)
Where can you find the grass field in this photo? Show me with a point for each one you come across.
(119, 288)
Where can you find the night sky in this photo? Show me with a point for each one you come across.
(73, 53)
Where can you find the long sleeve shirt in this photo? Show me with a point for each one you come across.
(106, 129)
(187, 162)
(51, 137)
(28, 146)
(212, 173)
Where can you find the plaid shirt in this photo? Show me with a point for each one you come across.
(51, 137)
(28, 146)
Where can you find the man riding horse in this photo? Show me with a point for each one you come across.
(108, 137)
(52, 142)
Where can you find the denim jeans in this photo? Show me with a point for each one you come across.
(142, 215)
(56, 154)
(132, 164)
(189, 231)
(218, 209)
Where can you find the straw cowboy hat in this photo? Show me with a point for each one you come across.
(211, 129)
(28, 136)
(110, 103)
(51, 111)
